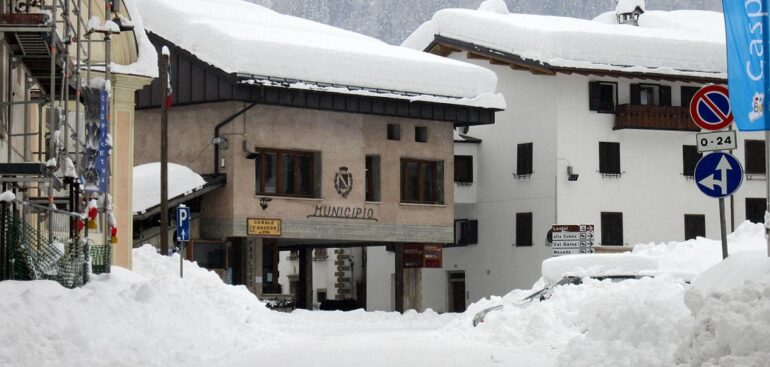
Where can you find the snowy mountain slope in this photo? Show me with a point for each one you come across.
(393, 20)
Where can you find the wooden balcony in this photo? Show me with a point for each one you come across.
(654, 118)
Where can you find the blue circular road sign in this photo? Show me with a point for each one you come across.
(718, 175)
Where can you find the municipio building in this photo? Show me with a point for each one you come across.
(323, 139)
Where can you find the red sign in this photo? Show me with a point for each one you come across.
(710, 108)
(423, 256)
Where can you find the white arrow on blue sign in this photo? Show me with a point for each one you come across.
(718, 175)
(182, 223)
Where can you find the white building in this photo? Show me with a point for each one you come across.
(596, 132)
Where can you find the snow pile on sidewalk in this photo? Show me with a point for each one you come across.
(702, 253)
(181, 180)
(145, 318)
(731, 306)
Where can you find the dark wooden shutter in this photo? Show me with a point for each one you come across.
(665, 95)
(636, 94)
(523, 229)
(755, 156)
(755, 210)
(524, 159)
(594, 96)
(694, 226)
(609, 157)
(690, 158)
(473, 232)
(612, 229)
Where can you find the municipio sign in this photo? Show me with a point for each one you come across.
(710, 108)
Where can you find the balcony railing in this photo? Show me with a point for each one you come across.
(653, 117)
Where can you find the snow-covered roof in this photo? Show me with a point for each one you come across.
(243, 38)
(147, 58)
(464, 138)
(629, 6)
(686, 43)
(146, 191)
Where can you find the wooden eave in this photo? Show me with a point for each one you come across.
(196, 82)
(445, 46)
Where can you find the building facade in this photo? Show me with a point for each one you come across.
(584, 142)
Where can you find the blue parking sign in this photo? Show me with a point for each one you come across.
(182, 223)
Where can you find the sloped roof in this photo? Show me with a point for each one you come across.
(685, 43)
(246, 39)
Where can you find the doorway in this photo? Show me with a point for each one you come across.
(456, 295)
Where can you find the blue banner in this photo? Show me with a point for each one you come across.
(748, 61)
(103, 160)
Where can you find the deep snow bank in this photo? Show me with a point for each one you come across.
(148, 317)
(731, 306)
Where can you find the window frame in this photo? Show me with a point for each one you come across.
(759, 203)
(373, 178)
(688, 166)
(607, 165)
(438, 183)
(608, 233)
(524, 230)
(468, 233)
(421, 134)
(684, 91)
(468, 177)
(690, 227)
(596, 102)
(259, 155)
(394, 132)
(661, 94)
(525, 153)
(754, 164)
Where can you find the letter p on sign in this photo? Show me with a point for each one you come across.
(182, 223)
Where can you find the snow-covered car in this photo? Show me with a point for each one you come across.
(571, 270)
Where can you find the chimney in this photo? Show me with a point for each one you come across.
(628, 11)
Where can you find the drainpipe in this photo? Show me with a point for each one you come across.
(216, 134)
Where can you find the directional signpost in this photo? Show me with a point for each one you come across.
(717, 174)
(182, 232)
(572, 239)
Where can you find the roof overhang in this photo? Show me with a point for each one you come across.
(212, 184)
(445, 46)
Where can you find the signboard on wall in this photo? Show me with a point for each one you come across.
(263, 227)
(423, 256)
(572, 239)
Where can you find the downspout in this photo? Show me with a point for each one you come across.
(216, 134)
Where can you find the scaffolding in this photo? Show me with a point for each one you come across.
(52, 41)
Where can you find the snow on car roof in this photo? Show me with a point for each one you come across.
(244, 38)
(557, 268)
(681, 43)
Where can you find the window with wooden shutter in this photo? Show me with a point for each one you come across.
(602, 96)
(690, 158)
(524, 159)
(523, 229)
(609, 158)
(665, 95)
(686, 95)
(612, 229)
(755, 156)
(755, 210)
(464, 169)
(694, 226)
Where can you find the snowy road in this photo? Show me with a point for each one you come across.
(378, 339)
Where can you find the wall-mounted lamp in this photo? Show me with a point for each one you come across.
(571, 176)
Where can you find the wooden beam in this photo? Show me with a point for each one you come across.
(498, 62)
(475, 56)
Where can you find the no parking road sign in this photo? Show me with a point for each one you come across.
(718, 175)
(710, 108)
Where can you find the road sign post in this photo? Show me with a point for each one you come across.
(182, 233)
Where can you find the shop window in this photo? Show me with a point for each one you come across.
(524, 159)
(373, 178)
(694, 226)
(755, 210)
(464, 169)
(422, 182)
(650, 95)
(421, 134)
(603, 96)
(466, 232)
(609, 158)
(523, 229)
(755, 156)
(612, 229)
(394, 132)
(284, 173)
(690, 158)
